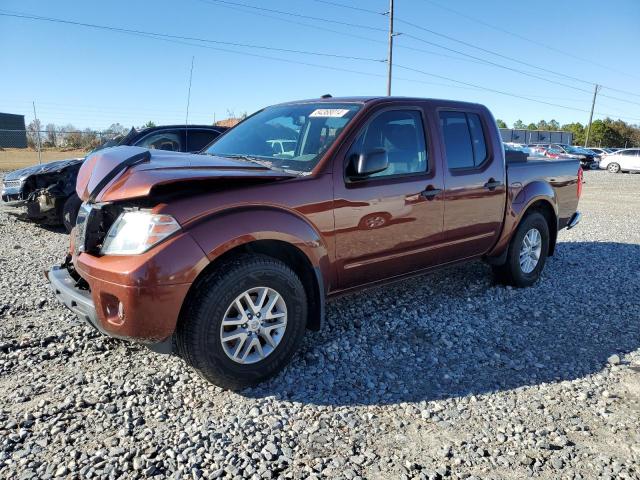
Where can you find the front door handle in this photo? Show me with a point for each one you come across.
(492, 184)
(430, 193)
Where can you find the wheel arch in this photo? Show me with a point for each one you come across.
(537, 196)
(276, 233)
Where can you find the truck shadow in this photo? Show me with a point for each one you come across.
(453, 333)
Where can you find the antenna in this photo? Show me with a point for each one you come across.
(186, 120)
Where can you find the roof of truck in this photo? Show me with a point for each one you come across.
(376, 99)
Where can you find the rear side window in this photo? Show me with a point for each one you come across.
(463, 139)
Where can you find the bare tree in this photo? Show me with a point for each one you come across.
(33, 130)
(51, 139)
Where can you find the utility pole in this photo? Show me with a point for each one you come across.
(186, 120)
(390, 56)
(35, 117)
(593, 104)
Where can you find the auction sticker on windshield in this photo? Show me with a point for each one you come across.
(329, 112)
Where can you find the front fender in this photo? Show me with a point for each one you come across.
(223, 231)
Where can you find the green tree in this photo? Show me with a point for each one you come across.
(501, 123)
(149, 124)
(542, 125)
(554, 125)
(577, 129)
(532, 126)
(518, 124)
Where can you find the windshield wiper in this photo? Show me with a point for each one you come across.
(249, 158)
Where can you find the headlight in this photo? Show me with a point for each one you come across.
(137, 231)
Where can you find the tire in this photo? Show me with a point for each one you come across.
(200, 330)
(70, 211)
(513, 272)
(613, 167)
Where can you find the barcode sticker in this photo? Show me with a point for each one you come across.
(329, 112)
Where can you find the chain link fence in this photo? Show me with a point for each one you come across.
(22, 148)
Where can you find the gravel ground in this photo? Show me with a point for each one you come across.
(445, 375)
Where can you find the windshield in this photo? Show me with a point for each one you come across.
(571, 149)
(291, 137)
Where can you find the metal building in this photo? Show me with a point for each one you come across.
(13, 133)
(535, 136)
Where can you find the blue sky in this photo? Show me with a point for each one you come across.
(92, 78)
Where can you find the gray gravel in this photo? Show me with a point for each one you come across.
(443, 376)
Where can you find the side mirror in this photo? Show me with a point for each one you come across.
(364, 164)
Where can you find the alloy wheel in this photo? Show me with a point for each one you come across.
(253, 325)
(530, 250)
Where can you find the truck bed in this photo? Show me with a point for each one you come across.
(560, 174)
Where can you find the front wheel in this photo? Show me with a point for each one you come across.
(243, 322)
(527, 253)
(613, 168)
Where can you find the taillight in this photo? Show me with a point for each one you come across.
(580, 180)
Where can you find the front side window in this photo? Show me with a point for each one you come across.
(162, 141)
(401, 134)
(198, 139)
(464, 139)
(292, 137)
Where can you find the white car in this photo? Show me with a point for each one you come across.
(626, 160)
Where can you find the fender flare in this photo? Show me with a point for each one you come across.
(221, 232)
(532, 193)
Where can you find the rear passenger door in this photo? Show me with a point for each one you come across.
(474, 182)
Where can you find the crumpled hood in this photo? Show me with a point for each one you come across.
(157, 168)
(50, 167)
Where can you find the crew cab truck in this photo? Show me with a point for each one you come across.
(228, 256)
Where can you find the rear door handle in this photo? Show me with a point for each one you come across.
(492, 184)
(430, 193)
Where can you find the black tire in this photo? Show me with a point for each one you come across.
(511, 273)
(198, 334)
(70, 211)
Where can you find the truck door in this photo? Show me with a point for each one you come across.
(474, 182)
(390, 222)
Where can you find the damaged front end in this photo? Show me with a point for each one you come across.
(46, 193)
(42, 189)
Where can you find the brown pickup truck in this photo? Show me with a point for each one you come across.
(228, 256)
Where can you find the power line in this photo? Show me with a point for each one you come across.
(178, 39)
(291, 14)
(536, 42)
(181, 37)
(501, 92)
(350, 7)
(485, 50)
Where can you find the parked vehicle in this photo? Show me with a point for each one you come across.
(227, 257)
(588, 159)
(626, 160)
(601, 152)
(48, 190)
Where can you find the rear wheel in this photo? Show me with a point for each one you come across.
(243, 322)
(613, 168)
(527, 253)
(70, 211)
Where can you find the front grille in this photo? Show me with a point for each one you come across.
(92, 224)
(81, 227)
(11, 183)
